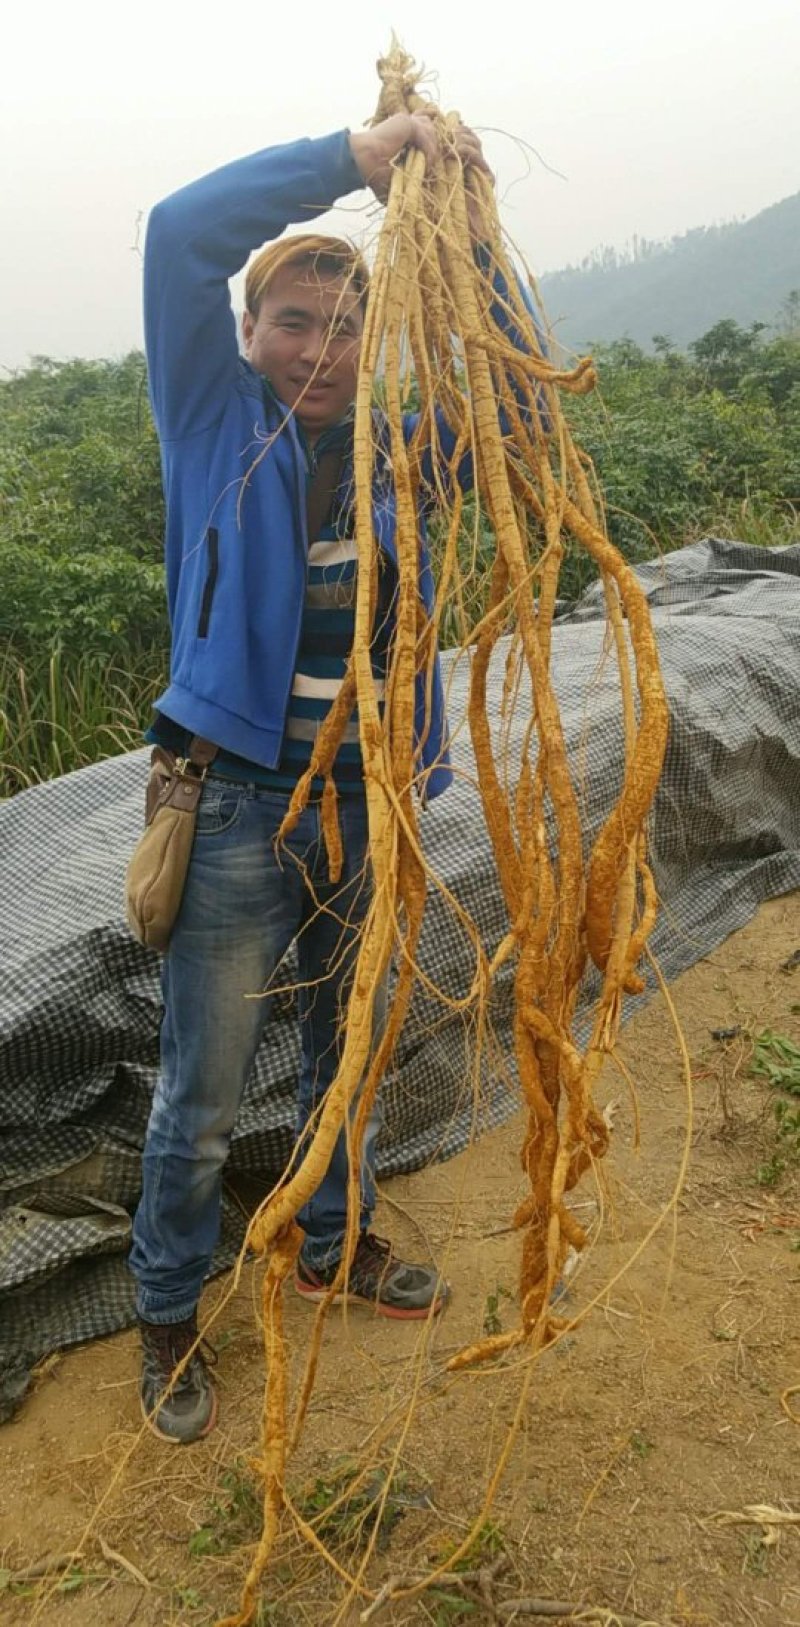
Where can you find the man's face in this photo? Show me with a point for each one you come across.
(306, 338)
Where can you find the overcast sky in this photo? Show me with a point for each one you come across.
(660, 118)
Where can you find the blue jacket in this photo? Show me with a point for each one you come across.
(236, 549)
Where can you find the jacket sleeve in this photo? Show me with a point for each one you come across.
(200, 237)
(502, 313)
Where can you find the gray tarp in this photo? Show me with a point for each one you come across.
(79, 1000)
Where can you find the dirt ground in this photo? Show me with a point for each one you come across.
(658, 1415)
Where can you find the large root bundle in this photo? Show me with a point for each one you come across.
(433, 308)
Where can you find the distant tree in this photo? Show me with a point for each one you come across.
(625, 353)
(789, 315)
(726, 351)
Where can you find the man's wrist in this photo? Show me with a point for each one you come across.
(358, 179)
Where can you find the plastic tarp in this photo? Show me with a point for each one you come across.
(80, 1000)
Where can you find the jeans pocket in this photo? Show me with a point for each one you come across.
(218, 809)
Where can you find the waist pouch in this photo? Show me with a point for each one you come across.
(156, 874)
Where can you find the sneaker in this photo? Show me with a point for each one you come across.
(189, 1410)
(390, 1286)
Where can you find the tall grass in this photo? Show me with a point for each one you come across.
(763, 523)
(59, 712)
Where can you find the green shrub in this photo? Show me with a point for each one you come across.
(706, 441)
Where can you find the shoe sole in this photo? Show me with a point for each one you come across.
(175, 1440)
(377, 1306)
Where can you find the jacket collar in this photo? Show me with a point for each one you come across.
(336, 435)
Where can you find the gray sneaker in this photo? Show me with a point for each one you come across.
(391, 1287)
(189, 1410)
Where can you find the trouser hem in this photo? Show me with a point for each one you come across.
(164, 1315)
(319, 1256)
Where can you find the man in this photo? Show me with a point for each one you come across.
(257, 468)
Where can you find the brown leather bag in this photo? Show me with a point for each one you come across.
(157, 870)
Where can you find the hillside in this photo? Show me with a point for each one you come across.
(682, 288)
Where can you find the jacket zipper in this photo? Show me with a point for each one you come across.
(308, 455)
(302, 450)
(305, 474)
(212, 538)
(303, 478)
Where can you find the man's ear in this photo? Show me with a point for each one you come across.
(248, 324)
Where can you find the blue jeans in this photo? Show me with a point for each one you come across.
(241, 909)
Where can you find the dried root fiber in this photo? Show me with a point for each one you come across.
(441, 271)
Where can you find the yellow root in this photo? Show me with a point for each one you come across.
(273, 1465)
(433, 302)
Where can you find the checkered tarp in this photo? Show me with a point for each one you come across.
(79, 1000)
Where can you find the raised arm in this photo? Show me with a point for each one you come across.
(199, 238)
